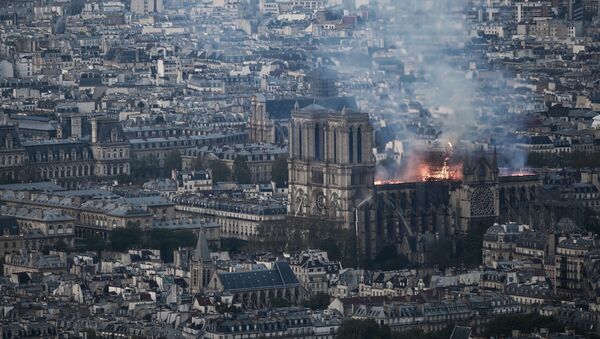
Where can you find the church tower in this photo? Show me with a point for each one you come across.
(331, 166)
(201, 266)
(478, 196)
(260, 125)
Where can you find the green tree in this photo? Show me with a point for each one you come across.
(76, 7)
(132, 236)
(319, 301)
(173, 161)
(280, 302)
(233, 245)
(503, 326)
(167, 241)
(124, 238)
(241, 171)
(145, 167)
(441, 254)
(200, 163)
(60, 245)
(91, 334)
(419, 334)
(389, 259)
(220, 171)
(279, 171)
(94, 243)
(362, 329)
(471, 254)
(330, 246)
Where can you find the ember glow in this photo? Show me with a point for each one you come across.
(508, 172)
(426, 171)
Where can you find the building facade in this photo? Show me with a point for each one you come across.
(67, 161)
(331, 166)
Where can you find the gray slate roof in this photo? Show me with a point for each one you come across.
(279, 277)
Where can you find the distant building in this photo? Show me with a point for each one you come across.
(499, 243)
(258, 288)
(315, 271)
(192, 181)
(34, 263)
(105, 155)
(570, 265)
(147, 6)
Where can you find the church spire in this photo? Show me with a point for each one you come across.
(202, 253)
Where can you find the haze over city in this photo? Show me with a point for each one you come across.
(322, 169)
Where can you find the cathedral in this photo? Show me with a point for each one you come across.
(331, 163)
(331, 177)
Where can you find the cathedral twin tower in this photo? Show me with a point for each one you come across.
(331, 166)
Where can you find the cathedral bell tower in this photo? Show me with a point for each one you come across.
(331, 166)
(478, 196)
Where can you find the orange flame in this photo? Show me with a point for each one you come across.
(428, 172)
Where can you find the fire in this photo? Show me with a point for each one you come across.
(428, 172)
(443, 172)
(523, 172)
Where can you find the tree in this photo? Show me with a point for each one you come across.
(145, 167)
(123, 179)
(319, 301)
(503, 326)
(60, 245)
(471, 254)
(132, 236)
(167, 241)
(241, 171)
(141, 105)
(279, 171)
(94, 243)
(124, 238)
(173, 161)
(330, 246)
(389, 259)
(76, 7)
(280, 302)
(200, 163)
(362, 329)
(419, 334)
(219, 171)
(233, 245)
(91, 334)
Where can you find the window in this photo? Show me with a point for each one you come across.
(317, 177)
(350, 145)
(359, 145)
(300, 140)
(334, 146)
(317, 142)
